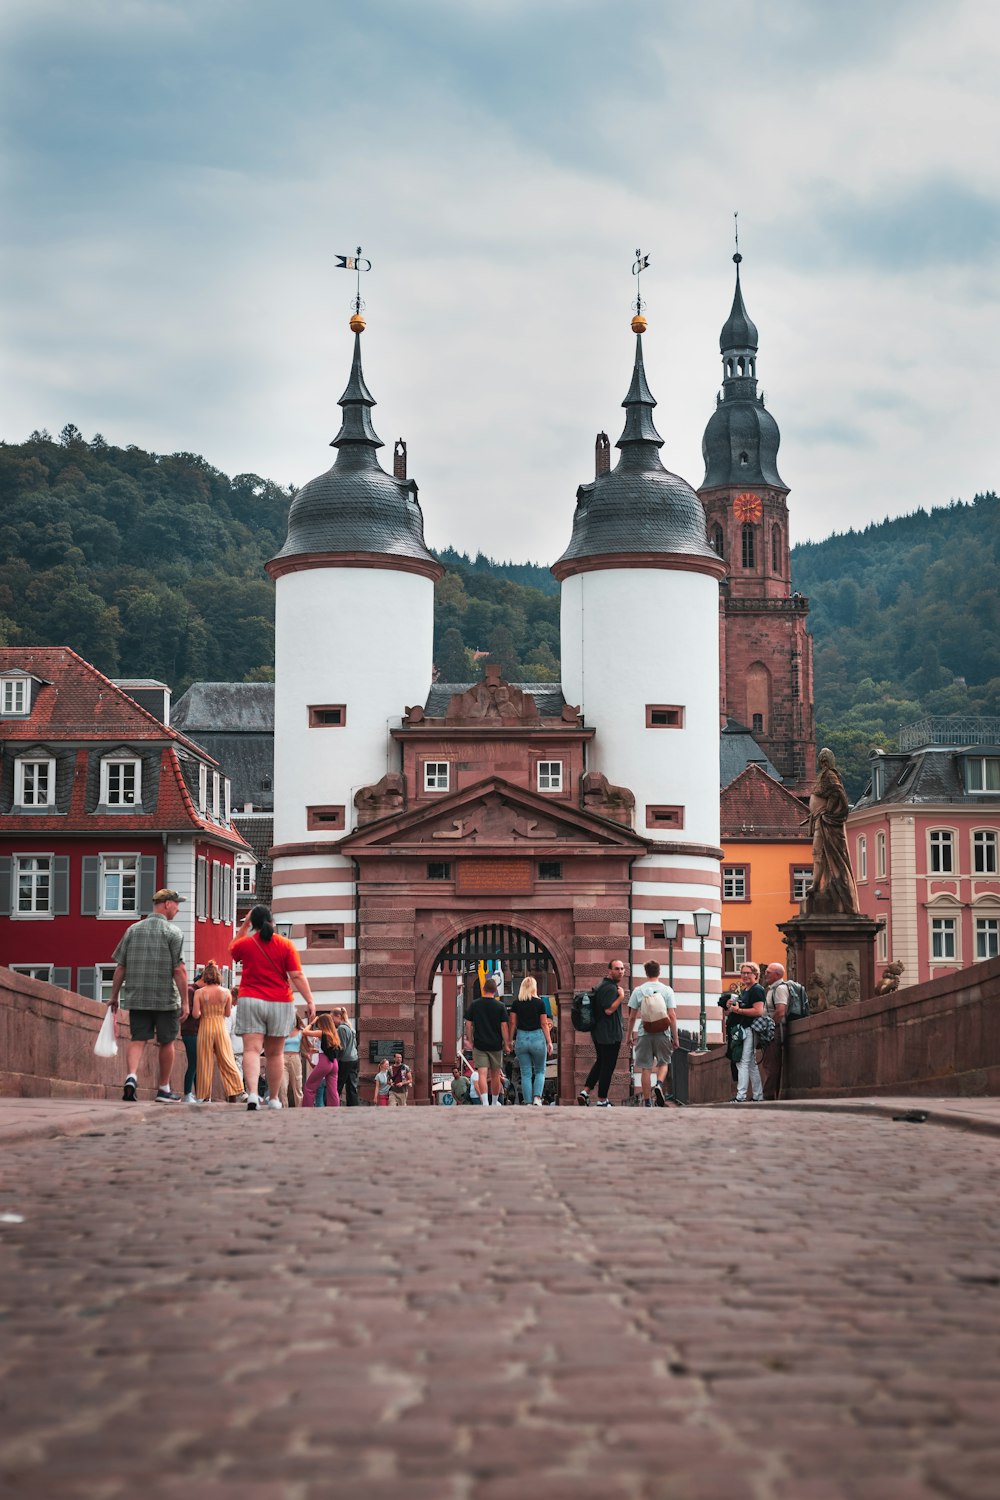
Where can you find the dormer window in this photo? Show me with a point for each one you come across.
(15, 695)
(35, 782)
(215, 796)
(202, 788)
(121, 782)
(982, 773)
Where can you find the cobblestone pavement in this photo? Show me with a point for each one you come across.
(518, 1305)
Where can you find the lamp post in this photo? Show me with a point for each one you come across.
(702, 926)
(670, 925)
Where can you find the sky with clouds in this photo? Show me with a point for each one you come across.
(180, 176)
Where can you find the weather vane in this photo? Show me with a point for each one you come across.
(640, 264)
(357, 263)
(736, 230)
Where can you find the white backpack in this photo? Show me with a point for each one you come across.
(653, 1011)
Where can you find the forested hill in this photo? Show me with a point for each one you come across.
(153, 566)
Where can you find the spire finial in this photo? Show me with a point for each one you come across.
(358, 263)
(736, 230)
(640, 264)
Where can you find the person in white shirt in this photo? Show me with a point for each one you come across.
(652, 1049)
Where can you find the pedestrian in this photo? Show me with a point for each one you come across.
(189, 1041)
(531, 1035)
(327, 1064)
(291, 1084)
(744, 1009)
(400, 1080)
(488, 1030)
(347, 1077)
(383, 1083)
(265, 1012)
(777, 1007)
(652, 1048)
(607, 1001)
(152, 983)
(213, 1006)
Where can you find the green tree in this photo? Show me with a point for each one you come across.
(453, 661)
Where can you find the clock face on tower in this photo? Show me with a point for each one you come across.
(748, 507)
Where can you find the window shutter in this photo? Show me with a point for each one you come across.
(86, 983)
(216, 892)
(91, 879)
(5, 876)
(60, 886)
(229, 895)
(200, 897)
(147, 883)
(62, 978)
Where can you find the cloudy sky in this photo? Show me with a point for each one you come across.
(180, 175)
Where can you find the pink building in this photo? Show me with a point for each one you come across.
(925, 843)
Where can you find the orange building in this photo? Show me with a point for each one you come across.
(767, 866)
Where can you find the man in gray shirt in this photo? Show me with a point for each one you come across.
(152, 982)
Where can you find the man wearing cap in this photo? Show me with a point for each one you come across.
(151, 979)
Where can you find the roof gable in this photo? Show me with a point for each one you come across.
(755, 806)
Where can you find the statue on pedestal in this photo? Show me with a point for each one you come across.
(832, 891)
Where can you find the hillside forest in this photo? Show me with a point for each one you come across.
(153, 566)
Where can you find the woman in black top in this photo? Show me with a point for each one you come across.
(746, 1007)
(532, 1040)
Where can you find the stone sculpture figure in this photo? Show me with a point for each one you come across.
(889, 983)
(832, 892)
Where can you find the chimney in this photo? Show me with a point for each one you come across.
(602, 455)
(399, 460)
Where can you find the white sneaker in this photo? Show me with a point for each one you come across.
(538, 1102)
(274, 1104)
(252, 1101)
(190, 1099)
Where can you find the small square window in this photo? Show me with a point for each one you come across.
(664, 817)
(324, 935)
(664, 716)
(438, 869)
(436, 775)
(246, 877)
(331, 817)
(550, 869)
(735, 883)
(550, 775)
(327, 716)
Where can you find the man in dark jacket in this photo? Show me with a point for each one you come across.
(607, 1033)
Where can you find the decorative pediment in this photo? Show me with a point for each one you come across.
(492, 700)
(493, 814)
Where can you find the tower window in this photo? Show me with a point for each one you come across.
(776, 549)
(664, 716)
(749, 544)
(718, 540)
(327, 716)
(744, 460)
(757, 727)
(664, 817)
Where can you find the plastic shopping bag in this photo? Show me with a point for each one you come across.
(106, 1045)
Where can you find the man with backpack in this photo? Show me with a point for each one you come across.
(347, 1076)
(648, 1006)
(607, 1032)
(785, 1000)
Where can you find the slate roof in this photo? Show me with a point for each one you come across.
(741, 440)
(225, 707)
(356, 506)
(639, 506)
(756, 807)
(259, 834)
(933, 774)
(737, 750)
(548, 697)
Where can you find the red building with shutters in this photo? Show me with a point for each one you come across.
(102, 803)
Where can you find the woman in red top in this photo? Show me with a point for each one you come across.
(265, 1012)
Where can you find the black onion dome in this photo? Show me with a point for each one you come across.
(639, 507)
(740, 446)
(739, 330)
(356, 506)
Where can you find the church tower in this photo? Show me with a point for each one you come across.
(640, 655)
(766, 649)
(354, 632)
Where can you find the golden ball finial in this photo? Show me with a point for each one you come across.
(639, 324)
(357, 323)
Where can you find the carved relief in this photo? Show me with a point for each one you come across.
(492, 700)
(598, 796)
(381, 800)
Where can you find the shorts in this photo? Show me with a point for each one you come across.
(383, 1101)
(652, 1049)
(264, 1017)
(481, 1059)
(165, 1024)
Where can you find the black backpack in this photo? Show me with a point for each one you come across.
(582, 1012)
(798, 1000)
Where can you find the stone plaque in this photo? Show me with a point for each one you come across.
(503, 875)
(379, 1050)
(837, 970)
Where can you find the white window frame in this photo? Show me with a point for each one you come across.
(122, 761)
(245, 878)
(862, 853)
(986, 928)
(734, 883)
(944, 934)
(42, 972)
(550, 775)
(103, 975)
(215, 796)
(880, 864)
(883, 940)
(35, 911)
(437, 775)
(107, 860)
(21, 766)
(15, 696)
(202, 787)
(985, 842)
(980, 762)
(739, 944)
(801, 881)
(939, 840)
(227, 800)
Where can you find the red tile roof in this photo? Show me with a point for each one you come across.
(755, 806)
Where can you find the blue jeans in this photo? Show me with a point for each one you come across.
(531, 1051)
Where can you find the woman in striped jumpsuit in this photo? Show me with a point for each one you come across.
(214, 1004)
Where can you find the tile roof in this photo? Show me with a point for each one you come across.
(756, 806)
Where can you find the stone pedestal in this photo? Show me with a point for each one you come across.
(833, 956)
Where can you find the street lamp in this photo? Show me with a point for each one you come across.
(670, 925)
(702, 926)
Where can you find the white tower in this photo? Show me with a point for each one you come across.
(354, 642)
(640, 655)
